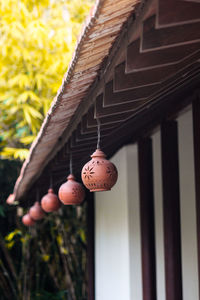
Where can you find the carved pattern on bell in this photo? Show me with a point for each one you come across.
(71, 192)
(99, 174)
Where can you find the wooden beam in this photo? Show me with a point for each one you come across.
(90, 135)
(112, 97)
(101, 111)
(123, 81)
(139, 61)
(171, 210)
(91, 121)
(147, 219)
(85, 129)
(155, 39)
(173, 12)
(91, 245)
(82, 144)
(196, 137)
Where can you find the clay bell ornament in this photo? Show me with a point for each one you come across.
(71, 192)
(99, 174)
(27, 220)
(50, 201)
(36, 212)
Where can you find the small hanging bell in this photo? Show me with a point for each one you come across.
(27, 220)
(36, 212)
(99, 174)
(10, 200)
(50, 202)
(71, 192)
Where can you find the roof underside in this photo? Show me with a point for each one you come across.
(126, 61)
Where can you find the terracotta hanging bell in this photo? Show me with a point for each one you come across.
(27, 220)
(99, 174)
(36, 212)
(10, 200)
(71, 192)
(50, 201)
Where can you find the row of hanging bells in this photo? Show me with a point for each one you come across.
(99, 174)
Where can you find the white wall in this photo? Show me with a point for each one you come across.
(188, 208)
(158, 210)
(117, 231)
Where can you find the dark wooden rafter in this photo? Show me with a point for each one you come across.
(123, 81)
(156, 39)
(83, 142)
(112, 97)
(139, 61)
(90, 135)
(173, 12)
(171, 210)
(87, 135)
(85, 129)
(147, 219)
(151, 76)
(83, 146)
(196, 138)
(126, 107)
(92, 122)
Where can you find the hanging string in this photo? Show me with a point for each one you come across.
(98, 133)
(70, 163)
(37, 194)
(51, 180)
(70, 158)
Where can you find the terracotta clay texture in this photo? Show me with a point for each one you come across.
(50, 202)
(71, 192)
(27, 220)
(10, 199)
(36, 212)
(99, 174)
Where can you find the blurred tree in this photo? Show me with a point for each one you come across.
(47, 261)
(9, 171)
(37, 39)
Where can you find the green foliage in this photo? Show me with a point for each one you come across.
(48, 260)
(44, 295)
(2, 212)
(9, 171)
(37, 39)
